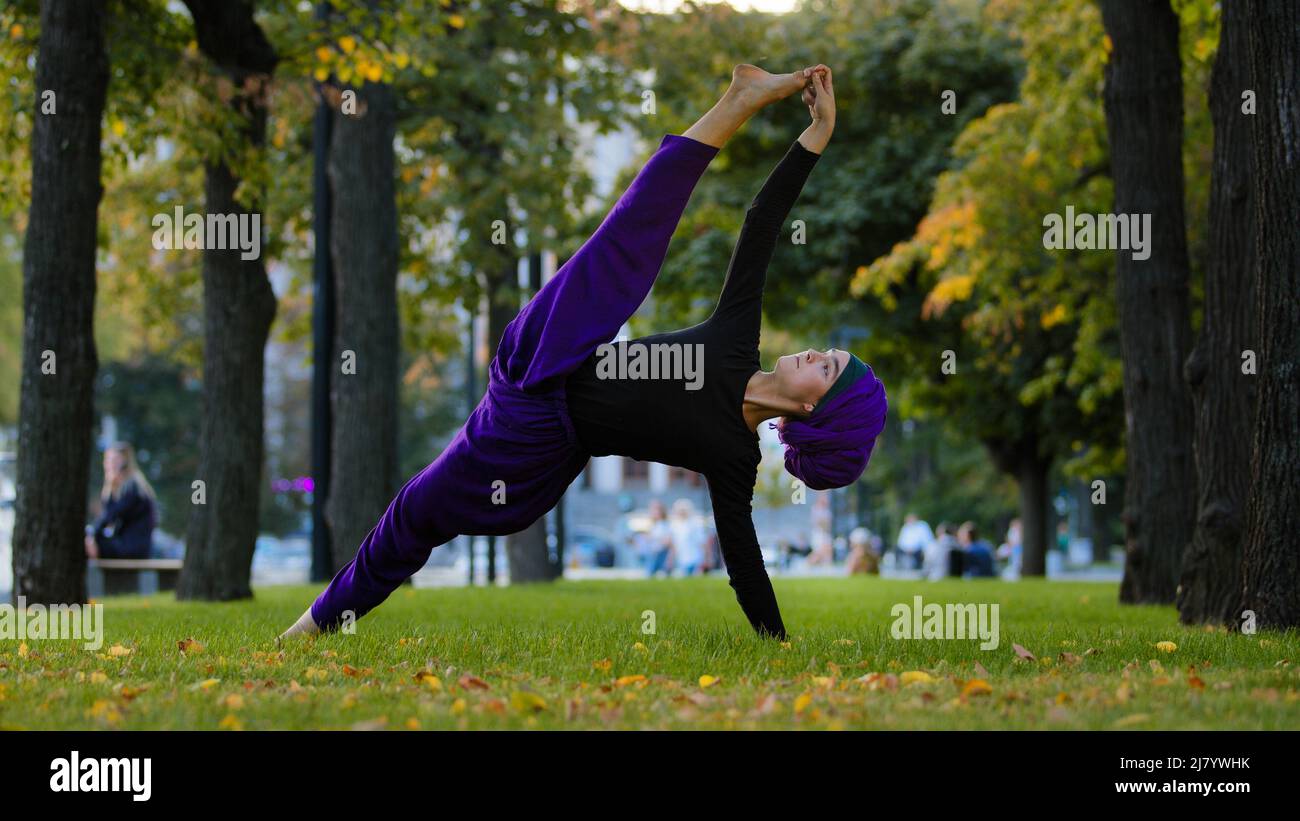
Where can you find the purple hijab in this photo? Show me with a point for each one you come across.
(831, 448)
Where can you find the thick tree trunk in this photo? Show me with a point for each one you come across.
(1144, 119)
(364, 240)
(1210, 590)
(238, 306)
(1272, 542)
(56, 411)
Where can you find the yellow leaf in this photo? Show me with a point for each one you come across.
(707, 680)
(623, 681)
(801, 703)
(208, 684)
(347, 42)
(98, 678)
(231, 722)
(321, 74)
(915, 677)
(16, 31)
(413, 723)
(324, 54)
(527, 702)
(458, 706)
(456, 21)
(374, 72)
(22, 650)
(401, 60)
(1166, 646)
(603, 665)
(640, 648)
(430, 680)
(234, 701)
(1053, 317)
(118, 127)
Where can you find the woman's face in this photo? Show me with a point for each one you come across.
(805, 377)
(113, 464)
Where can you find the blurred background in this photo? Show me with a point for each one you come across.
(382, 144)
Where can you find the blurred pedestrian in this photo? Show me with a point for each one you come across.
(128, 510)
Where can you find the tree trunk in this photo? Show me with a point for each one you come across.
(1031, 475)
(364, 243)
(1144, 119)
(1022, 460)
(238, 306)
(1272, 542)
(1099, 527)
(1210, 590)
(56, 410)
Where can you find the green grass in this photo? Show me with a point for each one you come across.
(567, 656)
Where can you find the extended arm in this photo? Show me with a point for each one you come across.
(732, 514)
(742, 292)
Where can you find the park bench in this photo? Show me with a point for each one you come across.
(122, 576)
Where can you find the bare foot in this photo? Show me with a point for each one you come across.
(755, 88)
(304, 625)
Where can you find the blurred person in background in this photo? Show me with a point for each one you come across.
(943, 559)
(656, 544)
(914, 539)
(977, 558)
(864, 554)
(128, 510)
(687, 538)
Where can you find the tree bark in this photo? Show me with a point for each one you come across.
(1272, 543)
(1021, 459)
(1144, 119)
(364, 248)
(56, 410)
(1210, 589)
(238, 307)
(1031, 475)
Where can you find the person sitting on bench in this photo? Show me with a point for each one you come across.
(124, 527)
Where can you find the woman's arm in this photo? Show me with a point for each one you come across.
(732, 494)
(741, 300)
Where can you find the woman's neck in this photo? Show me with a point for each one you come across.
(763, 401)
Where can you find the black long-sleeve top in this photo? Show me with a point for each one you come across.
(702, 429)
(131, 516)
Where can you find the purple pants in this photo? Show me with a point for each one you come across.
(517, 453)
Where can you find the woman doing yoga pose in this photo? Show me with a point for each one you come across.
(552, 401)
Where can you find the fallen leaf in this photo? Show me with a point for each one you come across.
(976, 687)
(915, 677)
(470, 682)
(1166, 646)
(526, 701)
(1023, 653)
(707, 680)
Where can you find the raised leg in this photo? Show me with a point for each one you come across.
(603, 284)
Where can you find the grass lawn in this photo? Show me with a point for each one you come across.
(573, 655)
